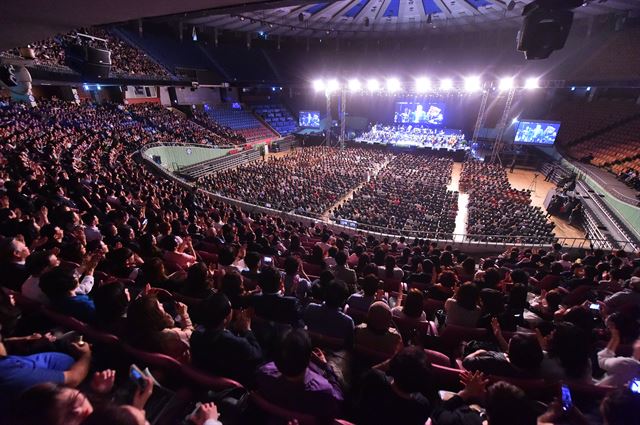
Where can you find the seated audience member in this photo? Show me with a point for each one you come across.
(154, 273)
(294, 284)
(567, 354)
(13, 269)
(111, 301)
(619, 370)
(462, 309)
(361, 301)
(342, 272)
(505, 404)
(149, 327)
(444, 288)
(37, 263)
(411, 307)
(57, 405)
(466, 270)
(270, 304)
(626, 297)
(252, 263)
(232, 286)
(113, 414)
(197, 284)
(18, 373)
(300, 379)
(180, 254)
(424, 275)
(328, 319)
(377, 334)
(522, 358)
(60, 286)
(390, 270)
(220, 350)
(404, 396)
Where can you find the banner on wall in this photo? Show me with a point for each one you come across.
(17, 79)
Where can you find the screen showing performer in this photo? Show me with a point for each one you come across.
(418, 113)
(537, 132)
(309, 119)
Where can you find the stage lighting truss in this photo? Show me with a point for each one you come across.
(422, 85)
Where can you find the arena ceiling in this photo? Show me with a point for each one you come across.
(367, 18)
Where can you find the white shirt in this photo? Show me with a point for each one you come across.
(92, 233)
(86, 285)
(620, 370)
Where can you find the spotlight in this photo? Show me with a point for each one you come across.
(532, 83)
(506, 83)
(446, 84)
(373, 85)
(589, 88)
(318, 85)
(472, 84)
(393, 85)
(423, 85)
(242, 18)
(354, 85)
(514, 121)
(98, 87)
(332, 85)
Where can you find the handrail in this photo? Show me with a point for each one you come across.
(495, 242)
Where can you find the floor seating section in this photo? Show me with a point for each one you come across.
(278, 117)
(243, 122)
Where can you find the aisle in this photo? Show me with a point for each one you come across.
(463, 201)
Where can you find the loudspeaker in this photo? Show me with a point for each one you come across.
(173, 97)
(545, 27)
(88, 61)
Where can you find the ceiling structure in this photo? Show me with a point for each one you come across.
(375, 18)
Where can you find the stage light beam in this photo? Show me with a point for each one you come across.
(354, 84)
(472, 84)
(506, 83)
(373, 85)
(446, 84)
(423, 85)
(332, 85)
(393, 85)
(318, 85)
(532, 83)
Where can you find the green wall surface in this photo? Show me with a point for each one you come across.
(175, 157)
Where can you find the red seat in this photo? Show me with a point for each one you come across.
(205, 380)
(446, 378)
(452, 336)
(288, 415)
(536, 389)
(311, 269)
(66, 322)
(324, 341)
(430, 307)
(438, 358)
(412, 329)
(357, 315)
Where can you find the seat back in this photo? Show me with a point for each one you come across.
(414, 330)
(357, 315)
(452, 336)
(205, 380)
(430, 307)
(438, 358)
(280, 412)
(324, 341)
(446, 378)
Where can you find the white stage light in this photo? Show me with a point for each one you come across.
(532, 83)
(332, 85)
(472, 84)
(318, 85)
(446, 84)
(393, 85)
(514, 121)
(423, 85)
(506, 83)
(373, 85)
(354, 85)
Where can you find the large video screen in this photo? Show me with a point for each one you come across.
(419, 113)
(537, 132)
(309, 119)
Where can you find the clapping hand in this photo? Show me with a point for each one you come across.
(102, 382)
